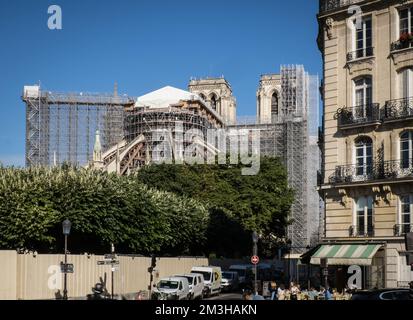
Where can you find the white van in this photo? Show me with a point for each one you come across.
(212, 279)
(196, 284)
(172, 288)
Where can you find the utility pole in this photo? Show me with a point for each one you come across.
(254, 254)
(112, 251)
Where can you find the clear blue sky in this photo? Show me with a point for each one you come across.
(145, 45)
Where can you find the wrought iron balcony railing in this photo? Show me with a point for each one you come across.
(402, 229)
(331, 5)
(360, 53)
(398, 109)
(394, 169)
(360, 231)
(400, 45)
(363, 114)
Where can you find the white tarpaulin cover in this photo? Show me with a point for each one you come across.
(164, 97)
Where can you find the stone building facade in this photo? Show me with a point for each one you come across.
(367, 139)
(217, 93)
(269, 98)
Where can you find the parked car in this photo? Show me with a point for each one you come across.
(383, 294)
(212, 279)
(245, 274)
(172, 288)
(230, 281)
(196, 285)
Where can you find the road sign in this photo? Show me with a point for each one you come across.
(108, 262)
(67, 268)
(110, 256)
(255, 259)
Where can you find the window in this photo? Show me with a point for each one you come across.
(364, 156)
(406, 85)
(406, 206)
(364, 216)
(363, 97)
(363, 39)
(406, 20)
(363, 93)
(406, 150)
(274, 106)
(214, 102)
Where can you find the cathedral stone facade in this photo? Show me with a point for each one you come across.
(217, 93)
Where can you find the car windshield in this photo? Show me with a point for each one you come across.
(241, 272)
(227, 275)
(166, 284)
(190, 279)
(206, 274)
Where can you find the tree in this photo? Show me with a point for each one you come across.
(103, 208)
(237, 204)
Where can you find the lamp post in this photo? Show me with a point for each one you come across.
(255, 253)
(66, 231)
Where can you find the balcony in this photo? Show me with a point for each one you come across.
(402, 229)
(360, 54)
(357, 116)
(394, 169)
(400, 109)
(400, 45)
(355, 231)
(332, 5)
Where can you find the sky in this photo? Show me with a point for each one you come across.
(144, 45)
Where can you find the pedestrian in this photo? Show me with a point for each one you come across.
(294, 291)
(273, 290)
(281, 292)
(312, 294)
(328, 295)
(321, 293)
(247, 295)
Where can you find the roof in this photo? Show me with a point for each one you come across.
(174, 278)
(164, 97)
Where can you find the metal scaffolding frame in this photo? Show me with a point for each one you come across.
(291, 139)
(164, 130)
(60, 127)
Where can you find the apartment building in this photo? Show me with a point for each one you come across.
(367, 138)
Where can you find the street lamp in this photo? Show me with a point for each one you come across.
(66, 231)
(255, 253)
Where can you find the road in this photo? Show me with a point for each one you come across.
(226, 296)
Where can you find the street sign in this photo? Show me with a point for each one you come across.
(110, 256)
(108, 262)
(67, 268)
(255, 259)
(325, 272)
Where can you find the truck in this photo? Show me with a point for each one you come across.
(212, 279)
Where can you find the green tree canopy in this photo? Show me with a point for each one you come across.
(237, 204)
(103, 208)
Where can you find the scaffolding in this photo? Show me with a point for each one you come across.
(170, 132)
(60, 127)
(291, 139)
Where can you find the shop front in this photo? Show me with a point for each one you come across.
(360, 266)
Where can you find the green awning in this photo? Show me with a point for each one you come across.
(346, 254)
